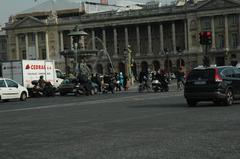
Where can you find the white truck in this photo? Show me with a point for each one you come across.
(25, 71)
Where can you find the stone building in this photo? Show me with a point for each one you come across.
(165, 37)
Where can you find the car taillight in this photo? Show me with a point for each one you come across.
(217, 77)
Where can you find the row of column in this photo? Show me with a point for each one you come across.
(226, 33)
(27, 45)
(149, 34)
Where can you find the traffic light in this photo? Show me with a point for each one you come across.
(201, 38)
(205, 38)
(209, 38)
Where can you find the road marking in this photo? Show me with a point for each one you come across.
(101, 101)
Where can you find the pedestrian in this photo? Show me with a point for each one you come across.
(126, 83)
(121, 79)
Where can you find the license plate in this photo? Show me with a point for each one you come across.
(199, 82)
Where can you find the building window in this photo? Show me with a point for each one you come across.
(206, 24)
(44, 56)
(220, 41)
(24, 55)
(42, 35)
(234, 40)
(220, 21)
(32, 38)
(233, 20)
(22, 38)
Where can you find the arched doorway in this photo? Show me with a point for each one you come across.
(99, 69)
(180, 63)
(144, 66)
(121, 67)
(168, 66)
(156, 65)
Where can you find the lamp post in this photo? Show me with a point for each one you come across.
(76, 34)
(168, 70)
(128, 62)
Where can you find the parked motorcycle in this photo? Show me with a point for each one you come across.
(108, 84)
(47, 91)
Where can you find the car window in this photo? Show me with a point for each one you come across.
(59, 74)
(11, 83)
(236, 73)
(228, 72)
(204, 74)
(2, 83)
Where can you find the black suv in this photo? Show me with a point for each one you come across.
(218, 84)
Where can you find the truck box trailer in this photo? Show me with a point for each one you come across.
(26, 71)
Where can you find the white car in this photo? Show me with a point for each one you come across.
(10, 89)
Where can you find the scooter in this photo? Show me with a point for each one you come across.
(160, 85)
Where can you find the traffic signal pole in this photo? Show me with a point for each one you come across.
(205, 40)
(206, 60)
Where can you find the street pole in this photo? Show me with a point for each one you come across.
(206, 61)
(76, 56)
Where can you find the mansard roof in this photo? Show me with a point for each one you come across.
(217, 4)
(59, 5)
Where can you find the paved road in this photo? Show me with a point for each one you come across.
(120, 126)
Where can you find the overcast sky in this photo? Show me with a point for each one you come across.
(11, 7)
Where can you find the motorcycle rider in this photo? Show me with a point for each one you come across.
(162, 79)
(41, 82)
(143, 79)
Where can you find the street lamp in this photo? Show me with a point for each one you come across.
(76, 34)
(129, 62)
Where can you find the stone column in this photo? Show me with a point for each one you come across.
(115, 42)
(47, 46)
(26, 42)
(238, 31)
(186, 35)
(61, 41)
(71, 43)
(36, 46)
(149, 39)
(161, 37)
(138, 41)
(17, 47)
(226, 32)
(213, 33)
(104, 38)
(126, 37)
(174, 37)
(93, 40)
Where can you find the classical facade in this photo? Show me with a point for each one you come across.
(160, 37)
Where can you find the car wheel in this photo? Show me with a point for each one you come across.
(23, 96)
(92, 92)
(95, 90)
(229, 98)
(191, 103)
